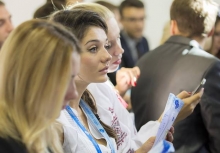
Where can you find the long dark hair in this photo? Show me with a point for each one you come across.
(78, 21)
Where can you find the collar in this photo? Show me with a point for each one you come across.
(128, 38)
(184, 41)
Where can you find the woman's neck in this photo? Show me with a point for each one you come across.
(81, 87)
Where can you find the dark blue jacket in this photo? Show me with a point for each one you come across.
(127, 60)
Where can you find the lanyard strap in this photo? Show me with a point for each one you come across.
(69, 110)
(93, 118)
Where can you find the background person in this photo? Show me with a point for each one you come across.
(181, 63)
(5, 23)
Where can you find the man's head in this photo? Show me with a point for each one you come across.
(47, 9)
(5, 23)
(132, 17)
(193, 18)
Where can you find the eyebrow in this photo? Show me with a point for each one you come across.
(4, 19)
(94, 40)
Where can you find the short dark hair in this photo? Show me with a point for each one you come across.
(2, 3)
(110, 6)
(78, 21)
(192, 17)
(47, 9)
(130, 3)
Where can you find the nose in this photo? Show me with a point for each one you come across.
(118, 50)
(72, 92)
(139, 24)
(106, 57)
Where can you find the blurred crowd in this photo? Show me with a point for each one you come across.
(81, 77)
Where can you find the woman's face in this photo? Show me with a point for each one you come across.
(95, 59)
(115, 48)
(71, 92)
(216, 39)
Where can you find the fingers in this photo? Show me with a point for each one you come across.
(130, 74)
(132, 77)
(151, 140)
(172, 130)
(121, 74)
(183, 95)
(201, 92)
(136, 71)
(169, 137)
(135, 74)
(146, 146)
(194, 99)
(170, 133)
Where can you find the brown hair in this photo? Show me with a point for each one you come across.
(195, 18)
(78, 21)
(89, 99)
(2, 3)
(130, 3)
(47, 9)
(102, 11)
(110, 6)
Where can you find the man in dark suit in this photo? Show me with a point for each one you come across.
(180, 64)
(133, 42)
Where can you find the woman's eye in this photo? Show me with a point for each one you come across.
(93, 49)
(107, 46)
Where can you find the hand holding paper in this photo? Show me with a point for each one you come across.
(171, 111)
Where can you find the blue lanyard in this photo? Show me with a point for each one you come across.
(69, 110)
(93, 118)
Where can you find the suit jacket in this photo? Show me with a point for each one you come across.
(127, 60)
(172, 67)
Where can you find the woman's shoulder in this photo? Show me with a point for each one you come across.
(100, 89)
(11, 146)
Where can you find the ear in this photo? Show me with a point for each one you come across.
(211, 33)
(173, 28)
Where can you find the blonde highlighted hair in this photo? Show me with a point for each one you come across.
(35, 69)
(104, 12)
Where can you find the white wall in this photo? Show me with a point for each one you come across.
(157, 14)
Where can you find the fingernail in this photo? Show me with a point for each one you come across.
(190, 93)
(134, 79)
(135, 83)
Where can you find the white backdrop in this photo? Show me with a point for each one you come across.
(157, 12)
